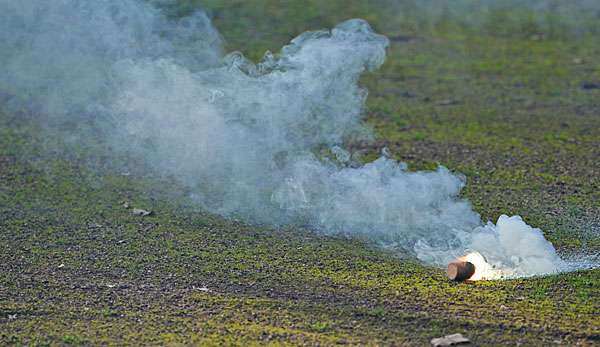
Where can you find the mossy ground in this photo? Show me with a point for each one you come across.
(508, 111)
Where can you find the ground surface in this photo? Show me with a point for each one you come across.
(509, 111)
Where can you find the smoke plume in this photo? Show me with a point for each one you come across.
(247, 139)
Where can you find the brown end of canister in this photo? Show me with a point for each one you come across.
(460, 270)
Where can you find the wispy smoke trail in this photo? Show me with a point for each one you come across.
(552, 18)
(241, 136)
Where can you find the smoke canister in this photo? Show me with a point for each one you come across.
(460, 270)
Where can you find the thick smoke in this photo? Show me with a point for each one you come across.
(247, 139)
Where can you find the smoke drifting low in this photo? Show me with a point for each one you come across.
(505, 18)
(243, 136)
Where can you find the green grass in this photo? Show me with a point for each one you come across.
(505, 110)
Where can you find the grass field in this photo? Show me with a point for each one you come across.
(509, 107)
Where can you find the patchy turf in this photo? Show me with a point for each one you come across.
(506, 110)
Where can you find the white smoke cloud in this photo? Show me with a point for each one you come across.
(242, 136)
